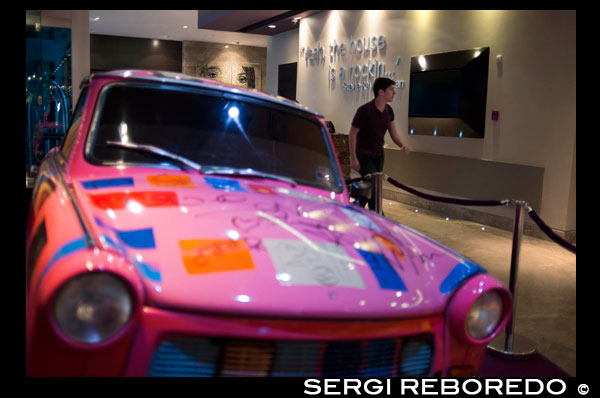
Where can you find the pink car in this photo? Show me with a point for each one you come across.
(186, 228)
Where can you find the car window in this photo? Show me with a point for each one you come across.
(212, 129)
(67, 145)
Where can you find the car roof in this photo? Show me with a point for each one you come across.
(181, 78)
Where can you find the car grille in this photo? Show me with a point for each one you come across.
(196, 357)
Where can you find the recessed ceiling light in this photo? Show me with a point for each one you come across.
(185, 26)
(272, 26)
(226, 46)
(95, 19)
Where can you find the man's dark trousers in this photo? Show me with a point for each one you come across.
(369, 164)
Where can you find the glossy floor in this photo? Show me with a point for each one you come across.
(545, 295)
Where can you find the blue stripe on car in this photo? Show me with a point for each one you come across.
(108, 183)
(66, 250)
(458, 274)
(384, 272)
(224, 184)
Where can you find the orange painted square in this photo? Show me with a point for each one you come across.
(391, 247)
(202, 256)
(163, 180)
(262, 189)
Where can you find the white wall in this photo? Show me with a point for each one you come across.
(80, 53)
(534, 87)
(281, 49)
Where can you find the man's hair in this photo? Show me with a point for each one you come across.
(381, 83)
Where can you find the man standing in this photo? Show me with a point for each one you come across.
(369, 126)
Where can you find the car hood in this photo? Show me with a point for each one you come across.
(218, 244)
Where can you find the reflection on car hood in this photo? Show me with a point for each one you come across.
(259, 247)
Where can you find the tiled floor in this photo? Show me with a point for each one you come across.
(545, 295)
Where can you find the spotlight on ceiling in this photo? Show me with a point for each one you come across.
(272, 26)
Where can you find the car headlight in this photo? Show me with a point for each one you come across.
(484, 315)
(93, 307)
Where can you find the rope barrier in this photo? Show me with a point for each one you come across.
(467, 202)
(546, 229)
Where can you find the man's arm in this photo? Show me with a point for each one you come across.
(396, 137)
(354, 164)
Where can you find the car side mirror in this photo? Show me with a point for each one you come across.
(330, 126)
(362, 190)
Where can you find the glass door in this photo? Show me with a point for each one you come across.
(48, 90)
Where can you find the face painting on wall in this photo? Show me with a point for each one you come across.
(247, 76)
(216, 72)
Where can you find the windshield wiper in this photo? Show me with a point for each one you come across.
(231, 171)
(157, 151)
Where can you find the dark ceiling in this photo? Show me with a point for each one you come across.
(251, 21)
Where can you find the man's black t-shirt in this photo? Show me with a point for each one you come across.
(372, 126)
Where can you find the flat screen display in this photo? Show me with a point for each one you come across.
(448, 93)
(435, 93)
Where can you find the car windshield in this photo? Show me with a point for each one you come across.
(213, 129)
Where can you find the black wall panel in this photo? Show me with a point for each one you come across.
(116, 52)
(286, 84)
